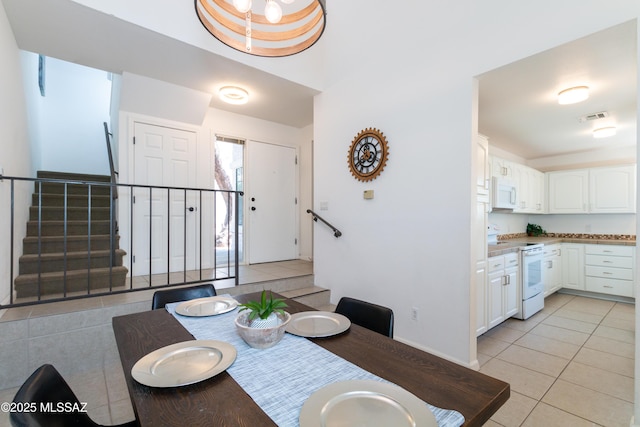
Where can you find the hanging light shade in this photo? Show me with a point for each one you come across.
(264, 27)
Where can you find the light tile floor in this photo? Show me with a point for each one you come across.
(572, 364)
(105, 389)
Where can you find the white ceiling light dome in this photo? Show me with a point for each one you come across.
(234, 95)
(573, 95)
(604, 132)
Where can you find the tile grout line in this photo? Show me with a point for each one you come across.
(581, 346)
(565, 368)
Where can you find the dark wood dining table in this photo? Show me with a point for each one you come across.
(220, 401)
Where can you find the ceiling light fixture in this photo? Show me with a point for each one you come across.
(604, 132)
(573, 95)
(281, 31)
(234, 95)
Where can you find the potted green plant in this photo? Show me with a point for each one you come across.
(261, 324)
(535, 230)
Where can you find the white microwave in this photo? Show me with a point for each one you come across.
(503, 193)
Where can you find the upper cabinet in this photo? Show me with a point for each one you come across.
(612, 189)
(597, 190)
(530, 185)
(529, 182)
(568, 191)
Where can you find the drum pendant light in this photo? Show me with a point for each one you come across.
(284, 28)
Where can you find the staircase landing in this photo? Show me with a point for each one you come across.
(293, 279)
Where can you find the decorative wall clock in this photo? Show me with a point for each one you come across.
(368, 154)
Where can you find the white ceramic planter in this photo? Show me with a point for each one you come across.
(264, 337)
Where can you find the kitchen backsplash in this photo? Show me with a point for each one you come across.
(573, 236)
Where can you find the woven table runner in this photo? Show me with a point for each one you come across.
(281, 378)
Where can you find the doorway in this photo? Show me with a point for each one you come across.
(164, 220)
(272, 202)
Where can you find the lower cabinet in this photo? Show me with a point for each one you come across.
(552, 269)
(605, 269)
(609, 269)
(573, 266)
(502, 288)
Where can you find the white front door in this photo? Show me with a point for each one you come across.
(271, 202)
(165, 221)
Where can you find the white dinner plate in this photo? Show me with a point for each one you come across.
(317, 324)
(208, 306)
(184, 363)
(365, 403)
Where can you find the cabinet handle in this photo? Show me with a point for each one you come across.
(607, 262)
(607, 272)
(607, 286)
(607, 251)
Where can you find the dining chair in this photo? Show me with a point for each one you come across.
(53, 402)
(166, 296)
(368, 315)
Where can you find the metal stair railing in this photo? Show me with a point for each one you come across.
(207, 270)
(337, 233)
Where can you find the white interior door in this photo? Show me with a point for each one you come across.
(271, 202)
(165, 221)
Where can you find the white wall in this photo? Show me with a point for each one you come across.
(14, 151)
(66, 125)
(410, 246)
(141, 102)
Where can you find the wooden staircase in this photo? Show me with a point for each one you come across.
(45, 267)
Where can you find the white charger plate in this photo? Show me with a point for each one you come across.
(365, 403)
(208, 306)
(184, 363)
(317, 324)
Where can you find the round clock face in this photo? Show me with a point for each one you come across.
(368, 154)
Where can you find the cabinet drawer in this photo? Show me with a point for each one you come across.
(609, 250)
(511, 260)
(551, 251)
(609, 261)
(495, 263)
(610, 286)
(609, 273)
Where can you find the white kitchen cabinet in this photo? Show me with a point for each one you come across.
(609, 269)
(502, 168)
(573, 266)
(530, 189)
(480, 226)
(483, 171)
(568, 191)
(597, 190)
(502, 288)
(480, 231)
(552, 269)
(612, 189)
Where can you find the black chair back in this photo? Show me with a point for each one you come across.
(46, 390)
(368, 315)
(166, 296)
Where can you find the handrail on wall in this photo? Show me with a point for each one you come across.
(316, 217)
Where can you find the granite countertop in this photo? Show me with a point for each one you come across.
(512, 242)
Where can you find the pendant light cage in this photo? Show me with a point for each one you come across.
(301, 26)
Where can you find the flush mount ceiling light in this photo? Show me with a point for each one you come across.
(573, 95)
(234, 95)
(283, 30)
(604, 132)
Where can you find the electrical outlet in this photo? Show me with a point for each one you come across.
(414, 314)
